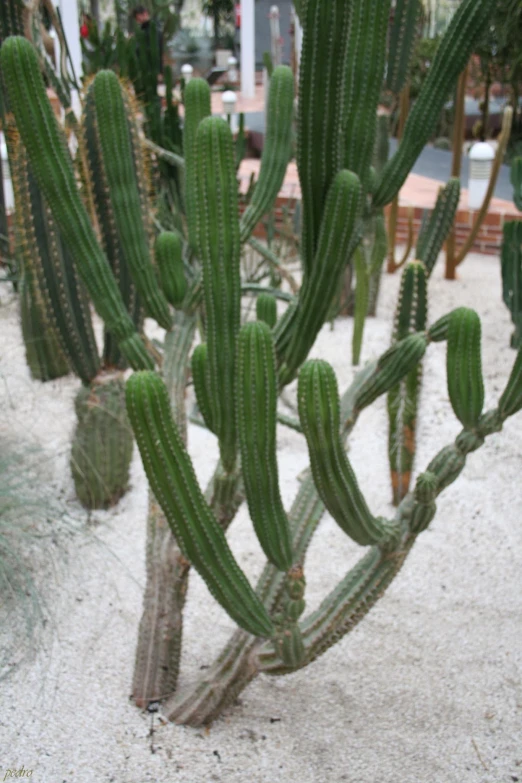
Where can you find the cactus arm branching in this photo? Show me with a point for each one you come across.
(319, 413)
(256, 396)
(169, 259)
(266, 309)
(276, 150)
(200, 378)
(465, 29)
(511, 264)
(174, 483)
(52, 167)
(219, 251)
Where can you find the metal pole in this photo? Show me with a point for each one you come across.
(248, 49)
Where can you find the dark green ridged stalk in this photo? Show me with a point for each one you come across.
(60, 294)
(424, 507)
(219, 251)
(168, 252)
(197, 107)
(42, 349)
(342, 64)
(256, 396)
(447, 466)
(115, 250)
(402, 40)
(381, 149)
(436, 229)
(102, 444)
(392, 367)
(365, 53)
(362, 299)
(516, 180)
(200, 378)
(465, 29)
(11, 18)
(120, 170)
(277, 149)
(403, 399)
(296, 332)
(464, 366)
(511, 400)
(511, 263)
(438, 332)
(266, 309)
(174, 483)
(319, 413)
(51, 163)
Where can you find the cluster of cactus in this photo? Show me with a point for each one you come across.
(238, 370)
(511, 258)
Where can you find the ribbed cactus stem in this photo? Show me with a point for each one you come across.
(516, 180)
(200, 378)
(464, 366)
(511, 264)
(319, 413)
(402, 40)
(465, 29)
(219, 250)
(296, 332)
(169, 259)
(174, 483)
(424, 507)
(277, 149)
(60, 294)
(197, 107)
(256, 423)
(52, 167)
(436, 229)
(392, 367)
(120, 169)
(410, 317)
(511, 399)
(42, 349)
(266, 309)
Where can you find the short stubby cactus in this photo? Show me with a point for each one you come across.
(102, 443)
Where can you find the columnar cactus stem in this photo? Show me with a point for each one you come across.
(120, 170)
(464, 366)
(266, 309)
(197, 107)
(276, 150)
(319, 413)
(296, 331)
(219, 251)
(169, 258)
(256, 396)
(511, 262)
(403, 36)
(59, 293)
(42, 349)
(174, 483)
(52, 167)
(435, 230)
(465, 29)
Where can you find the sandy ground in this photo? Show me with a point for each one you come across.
(427, 688)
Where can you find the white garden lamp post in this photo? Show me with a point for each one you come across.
(481, 158)
(248, 49)
(186, 71)
(229, 108)
(232, 75)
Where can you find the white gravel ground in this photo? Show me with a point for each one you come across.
(428, 688)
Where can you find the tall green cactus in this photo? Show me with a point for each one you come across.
(42, 350)
(403, 36)
(119, 164)
(435, 230)
(465, 29)
(276, 150)
(197, 107)
(218, 244)
(52, 166)
(511, 258)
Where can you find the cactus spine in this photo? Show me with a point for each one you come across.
(53, 170)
